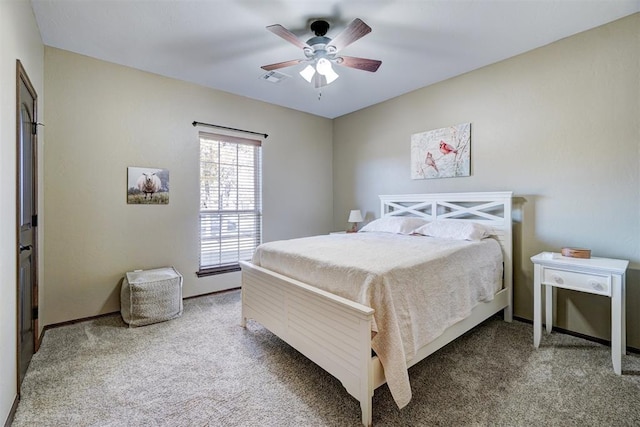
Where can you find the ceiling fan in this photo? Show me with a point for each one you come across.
(321, 51)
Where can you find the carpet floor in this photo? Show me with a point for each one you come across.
(203, 369)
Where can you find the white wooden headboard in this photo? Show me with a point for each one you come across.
(492, 209)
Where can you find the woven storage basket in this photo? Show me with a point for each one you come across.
(151, 296)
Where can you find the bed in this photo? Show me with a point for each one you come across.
(336, 323)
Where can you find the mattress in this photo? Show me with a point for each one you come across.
(417, 285)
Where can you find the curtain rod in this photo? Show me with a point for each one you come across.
(228, 128)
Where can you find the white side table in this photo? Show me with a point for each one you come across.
(601, 276)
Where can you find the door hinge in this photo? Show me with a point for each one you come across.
(34, 313)
(34, 220)
(35, 127)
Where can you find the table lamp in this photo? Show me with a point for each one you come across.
(354, 217)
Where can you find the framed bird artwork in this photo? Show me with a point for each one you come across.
(441, 153)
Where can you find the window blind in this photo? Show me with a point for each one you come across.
(230, 201)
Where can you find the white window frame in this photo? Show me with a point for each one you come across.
(230, 206)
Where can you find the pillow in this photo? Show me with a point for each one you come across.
(452, 229)
(394, 224)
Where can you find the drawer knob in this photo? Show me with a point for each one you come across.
(558, 280)
(597, 285)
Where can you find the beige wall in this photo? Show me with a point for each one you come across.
(19, 39)
(103, 118)
(559, 126)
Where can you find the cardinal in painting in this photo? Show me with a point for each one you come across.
(446, 148)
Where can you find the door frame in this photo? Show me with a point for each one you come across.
(22, 77)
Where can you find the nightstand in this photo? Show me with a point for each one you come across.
(601, 276)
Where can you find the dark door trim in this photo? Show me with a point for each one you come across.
(23, 78)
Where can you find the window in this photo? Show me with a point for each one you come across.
(230, 202)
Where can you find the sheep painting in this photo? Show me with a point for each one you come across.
(147, 186)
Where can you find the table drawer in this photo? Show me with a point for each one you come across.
(586, 282)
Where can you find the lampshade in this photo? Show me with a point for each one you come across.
(308, 73)
(355, 216)
(324, 68)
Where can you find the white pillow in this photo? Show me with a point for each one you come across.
(394, 224)
(452, 229)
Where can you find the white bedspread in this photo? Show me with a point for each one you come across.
(417, 285)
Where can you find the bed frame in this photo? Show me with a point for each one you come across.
(335, 333)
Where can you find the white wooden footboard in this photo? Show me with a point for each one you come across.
(333, 332)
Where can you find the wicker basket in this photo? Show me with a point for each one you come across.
(151, 296)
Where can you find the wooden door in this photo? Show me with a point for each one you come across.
(27, 220)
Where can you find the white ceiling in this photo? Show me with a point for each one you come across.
(222, 43)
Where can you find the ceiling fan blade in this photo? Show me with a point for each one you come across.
(355, 30)
(359, 63)
(284, 64)
(281, 31)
